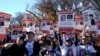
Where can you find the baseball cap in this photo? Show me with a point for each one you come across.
(30, 33)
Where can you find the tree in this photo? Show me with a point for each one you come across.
(17, 20)
(33, 12)
(50, 7)
(65, 4)
(96, 4)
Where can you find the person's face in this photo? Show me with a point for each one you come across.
(42, 38)
(47, 46)
(19, 41)
(67, 43)
(84, 42)
(31, 37)
(56, 42)
(89, 39)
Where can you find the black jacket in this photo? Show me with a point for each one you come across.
(14, 50)
(98, 50)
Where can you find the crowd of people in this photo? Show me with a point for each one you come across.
(58, 45)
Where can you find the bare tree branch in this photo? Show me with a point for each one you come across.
(34, 15)
(96, 4)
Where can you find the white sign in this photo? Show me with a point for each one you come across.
(79, 22)
(45, 25)
(88, 15)
(66, 20)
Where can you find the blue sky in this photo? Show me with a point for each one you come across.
(13, 6)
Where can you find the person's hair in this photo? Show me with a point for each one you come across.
(91, 15)
(97, 41)
(21, 37)
(47, 42)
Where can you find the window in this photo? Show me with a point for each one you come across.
(69, 16)
(63, 17)
(7, 19)
(1, 23)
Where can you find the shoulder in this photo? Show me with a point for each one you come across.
(25, 42)
(36, 42)
(8, 45)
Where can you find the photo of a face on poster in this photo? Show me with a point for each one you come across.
(63, 17)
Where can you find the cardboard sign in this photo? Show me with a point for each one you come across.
(66, 21)
(88, 15)
(78, 23)
(45, 26)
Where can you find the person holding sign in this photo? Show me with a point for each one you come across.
(85, 49)
(68, 48)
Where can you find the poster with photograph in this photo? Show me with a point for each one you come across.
(65, 19)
